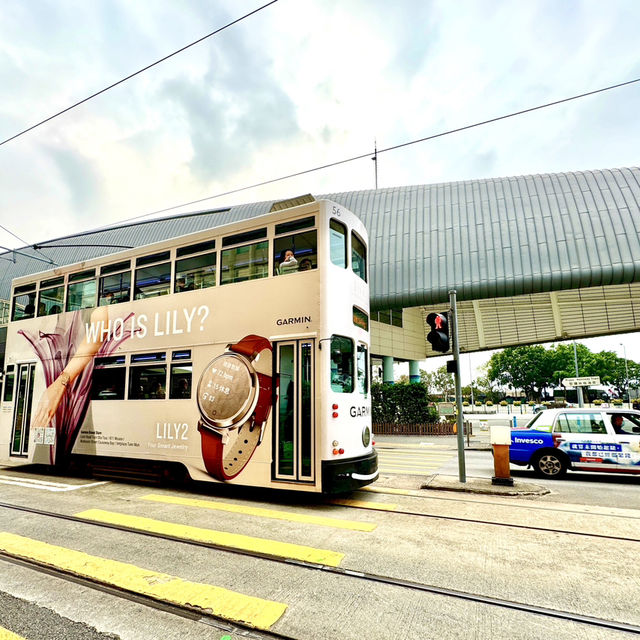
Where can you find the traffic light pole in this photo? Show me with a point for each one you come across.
(456, 358)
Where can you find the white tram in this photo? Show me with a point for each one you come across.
(240, 353)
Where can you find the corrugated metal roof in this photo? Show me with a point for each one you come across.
(489, 238)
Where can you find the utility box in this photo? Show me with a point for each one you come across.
(500, 441)
(500, 434)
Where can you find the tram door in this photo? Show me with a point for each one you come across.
(22, 410)
(294, 415)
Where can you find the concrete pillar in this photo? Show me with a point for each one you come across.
(414, 371)
(387, 369)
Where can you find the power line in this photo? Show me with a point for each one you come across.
(377, 152)
(153, 64)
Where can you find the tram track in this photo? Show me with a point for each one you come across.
(203, 618)
(200, 617)
(350, 505)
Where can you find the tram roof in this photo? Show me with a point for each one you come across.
(489, 239)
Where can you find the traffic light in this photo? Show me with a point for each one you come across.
(439, 334)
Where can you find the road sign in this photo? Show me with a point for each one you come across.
(446, 408)
(587, 381)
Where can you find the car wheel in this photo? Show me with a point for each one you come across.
(550, 465)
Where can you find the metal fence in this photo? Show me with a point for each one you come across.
(414, 429)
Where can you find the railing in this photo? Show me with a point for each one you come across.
(414, 429)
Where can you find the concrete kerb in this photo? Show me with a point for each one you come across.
(439, 482)
(482, 485)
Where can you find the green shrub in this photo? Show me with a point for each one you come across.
(402, 403)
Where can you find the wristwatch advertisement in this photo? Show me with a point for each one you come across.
(234, 399)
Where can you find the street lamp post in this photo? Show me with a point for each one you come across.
(626, 372)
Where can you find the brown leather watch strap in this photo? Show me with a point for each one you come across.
(227, 452)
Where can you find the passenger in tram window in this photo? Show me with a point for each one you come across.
(288, 262)
(157, 390)
(305, 265)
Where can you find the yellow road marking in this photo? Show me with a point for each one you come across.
(405, 463)
(263, 513)
(405, 472)
(5, 634)
(231, 540)
(363, 504)
(249, 610)
(399, 492)
(421, 447)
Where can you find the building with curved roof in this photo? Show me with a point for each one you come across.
(532, 258)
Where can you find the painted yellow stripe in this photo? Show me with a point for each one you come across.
(230, 605)
(407, 463)
(406, 472)
(5, 634)
(392, 491)
(399, 455)
(363, 504)
(263, 513)
(230, 540)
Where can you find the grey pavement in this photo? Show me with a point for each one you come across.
(479, 440)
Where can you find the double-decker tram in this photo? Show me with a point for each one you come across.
(240, 354)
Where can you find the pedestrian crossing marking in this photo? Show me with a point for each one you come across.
(223, 603)
(263, 513)
(230, 540)
(45, 485)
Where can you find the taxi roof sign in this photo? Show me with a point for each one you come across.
(587, 381)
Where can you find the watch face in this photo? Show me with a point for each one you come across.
(227, 391)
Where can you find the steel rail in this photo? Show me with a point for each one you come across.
(361, 575)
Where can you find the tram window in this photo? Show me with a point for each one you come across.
(248, 262)
(303, 246)
(82, 290)
(24, 306)
(198, 272)
(338, 240)
(108, 381)
(195, 248)
(358, 257)
(148, 382)
(115, 288)
(360, 319)
(152, 281)
(9, 382)
(362, 369)
(116, 268)
(341, 364)
(51, 296)
(180, 381)
(244, 237)
(163, 256)
(295, 225)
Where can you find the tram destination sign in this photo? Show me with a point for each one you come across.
(587, 381)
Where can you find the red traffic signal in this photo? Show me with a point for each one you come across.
(439, 334)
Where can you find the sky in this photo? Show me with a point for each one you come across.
(299, 84)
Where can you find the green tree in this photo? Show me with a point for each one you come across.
(528, 368)
(443, 382)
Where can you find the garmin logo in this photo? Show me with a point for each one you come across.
(528, 440)
(299, 320)
(356, 412)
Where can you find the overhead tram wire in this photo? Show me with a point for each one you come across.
(153, 64)
(379, 151)
(35, 248)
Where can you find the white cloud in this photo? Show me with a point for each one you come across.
(299, 84)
